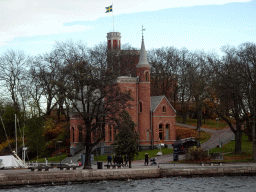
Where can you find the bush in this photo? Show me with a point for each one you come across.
(197, 154)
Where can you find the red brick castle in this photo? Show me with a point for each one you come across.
(153, 115)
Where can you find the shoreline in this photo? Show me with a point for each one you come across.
(9, 178)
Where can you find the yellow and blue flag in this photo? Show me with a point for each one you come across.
(109, 9)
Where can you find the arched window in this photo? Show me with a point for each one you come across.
(164, 109)
(147, 76)
(140, 107)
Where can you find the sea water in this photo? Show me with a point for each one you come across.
(173, 184)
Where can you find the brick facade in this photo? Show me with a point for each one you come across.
(154, 116)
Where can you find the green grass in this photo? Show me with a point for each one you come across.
(230, 147)
(208, 123)
(51, 159)
(204, 137)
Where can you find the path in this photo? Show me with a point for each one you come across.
(217, 136)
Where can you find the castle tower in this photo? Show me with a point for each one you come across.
(143, 74)
(114, 40)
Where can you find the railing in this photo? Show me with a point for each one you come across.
(36, 164)
(78, 148)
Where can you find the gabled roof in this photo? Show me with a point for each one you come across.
(156, 100)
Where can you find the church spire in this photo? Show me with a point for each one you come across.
(143, 62)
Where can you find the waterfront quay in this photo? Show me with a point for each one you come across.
(139, 171)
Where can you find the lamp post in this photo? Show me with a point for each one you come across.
(217, 119)
(59, 142)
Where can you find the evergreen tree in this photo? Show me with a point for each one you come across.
(127, 139)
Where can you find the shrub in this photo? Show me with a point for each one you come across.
(197, 154)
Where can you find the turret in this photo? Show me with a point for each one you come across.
(143, 73)
(114, 40)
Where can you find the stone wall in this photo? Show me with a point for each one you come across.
(208, 171)
(26, 177)
(56, 177)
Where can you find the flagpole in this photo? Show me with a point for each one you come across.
(113, 18)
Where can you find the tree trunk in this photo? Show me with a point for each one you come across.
(130, 162)
(184, 117)
(184, 113)
(199, 117)
(87, 163)
(238, 138)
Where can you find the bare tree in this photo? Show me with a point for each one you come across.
(44, 73)
(164, 62)
(230, 85)
(13, 74)
(96, 99)
(198, 83)
(184, 93)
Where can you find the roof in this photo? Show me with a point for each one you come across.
(156, 100)
(143, 62)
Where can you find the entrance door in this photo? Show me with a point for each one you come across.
(167, 132)
(161, 132)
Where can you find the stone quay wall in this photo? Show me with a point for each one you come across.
(14, 178)
(57, 177)
(209, 171)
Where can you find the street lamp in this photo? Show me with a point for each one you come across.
(217, 119)
(59, 142)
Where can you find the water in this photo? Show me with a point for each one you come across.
(173, 184)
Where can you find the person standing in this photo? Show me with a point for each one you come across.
(125, 160)
(146, 159)
(114, 159)
(109, 158)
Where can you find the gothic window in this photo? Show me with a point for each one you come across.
(147, 76)
(164, 109)
(140, 107)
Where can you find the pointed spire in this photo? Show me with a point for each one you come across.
(143, 62)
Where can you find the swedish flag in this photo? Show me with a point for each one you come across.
(109, 9)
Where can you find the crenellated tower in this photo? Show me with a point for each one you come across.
(114, 40)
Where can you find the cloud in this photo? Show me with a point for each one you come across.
(35, 17)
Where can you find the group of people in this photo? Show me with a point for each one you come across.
(117, 159)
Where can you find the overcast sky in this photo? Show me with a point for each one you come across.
(35, 25)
